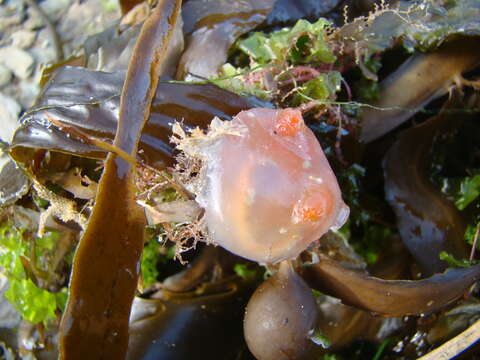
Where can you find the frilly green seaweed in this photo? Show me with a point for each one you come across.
(421, 25)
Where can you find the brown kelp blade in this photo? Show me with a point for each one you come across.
(106, 265)
(418, 81)
(212, 27)
(81, 99)
(205, 323)
(390, 297)
(127, 5)
(289, 11)
(427, 221)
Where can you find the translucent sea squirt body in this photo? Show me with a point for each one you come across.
(268, 191)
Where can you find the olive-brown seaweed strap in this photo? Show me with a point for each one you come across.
(427, 76)
(428, 222)
(106, 264)
(389, 297)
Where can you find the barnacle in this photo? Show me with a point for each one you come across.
(266, 186)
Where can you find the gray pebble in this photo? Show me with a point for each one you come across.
(23, 38)
(53, 7)
(17, 60)
(43, 51)
(11, 20)
(5, 76)
(9, 112)
(11, 7)
(33, 22)
(28, 92)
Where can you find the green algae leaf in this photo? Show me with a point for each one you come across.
(367, 237)
(367, 90)
(320, 88)
(421, 24)
(34, 304)
(302, 44)
(469, 191)
(61, 299)
(446, 18)
(11, 240)
(258, 47)
(332, 357)
(470, 234)
(154, 254)
(47, 242)
(233, 79)
(454, 262)
(320, 339)
(245, 271)
(11, 265)
(310, 43)
(150, 258)
(277, 56)
(372, 242)
(12, 247)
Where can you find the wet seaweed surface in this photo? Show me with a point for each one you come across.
(115, 163)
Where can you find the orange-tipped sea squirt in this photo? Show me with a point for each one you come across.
(266, 186)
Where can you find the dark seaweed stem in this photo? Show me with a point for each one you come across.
(390, 297)
(106, 264)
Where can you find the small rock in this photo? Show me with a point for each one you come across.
(5, 76)
(17, 60)
(33, 22)
(23, 38)
(9, 112)
(7, 21)
(14, 5)
(28, 91)
(53, 7)
(5, 11)
(43, 51)
(11, 7)
(75, 30)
